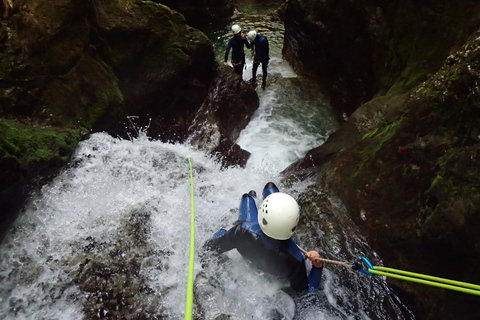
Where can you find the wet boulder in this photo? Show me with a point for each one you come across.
(223, 115)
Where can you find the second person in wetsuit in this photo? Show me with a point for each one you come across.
(236, 44)
(261, 54)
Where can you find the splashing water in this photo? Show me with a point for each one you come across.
(120, 214)
(293, 116)
(109, 237)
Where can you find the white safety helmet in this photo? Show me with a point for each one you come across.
(236, 29)
(251, 35)
(279, 215)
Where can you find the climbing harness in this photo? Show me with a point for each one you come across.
(405, 275)
(189, 298)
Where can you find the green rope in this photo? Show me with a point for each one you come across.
(189, 300)
(427, 280)
(409, 276)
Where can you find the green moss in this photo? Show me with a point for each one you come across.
(35, 144)
(370, 134)
(438, 179)
(375, 141)
(83, 95)
(418, 53)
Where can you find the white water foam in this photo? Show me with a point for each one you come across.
(84, 219)
(289, 122)
(113, 178)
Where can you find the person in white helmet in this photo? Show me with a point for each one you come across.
(236, 44)
(260, 50)
(265, 239)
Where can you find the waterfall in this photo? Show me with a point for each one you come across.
(109, 236)
(114, 227)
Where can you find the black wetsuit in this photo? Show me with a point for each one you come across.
(261, 55)
(236, 43)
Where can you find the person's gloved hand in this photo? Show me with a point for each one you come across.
(314, 256)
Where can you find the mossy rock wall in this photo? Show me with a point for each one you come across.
(407, 169)
(362, 49)
(70, 67)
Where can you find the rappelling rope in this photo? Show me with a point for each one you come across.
(407, 276)
(428, 280)
(345, 264)
(189, 299)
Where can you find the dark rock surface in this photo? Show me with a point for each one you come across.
(406, 168)
(361, 49)
(219, 121)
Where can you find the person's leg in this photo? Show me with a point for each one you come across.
(264, 70)
(254, 70)
(248, 209)
(238, 69)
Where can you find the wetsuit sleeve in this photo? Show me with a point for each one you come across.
(247, 44)
(314, 278)
(298, 279)
(224, 242)
(229, 46)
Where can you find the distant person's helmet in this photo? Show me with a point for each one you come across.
(251, 35)
(279, 215)
(236, 29)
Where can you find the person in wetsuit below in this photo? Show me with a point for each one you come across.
(236, 44)
(261, 54)
(265, 239)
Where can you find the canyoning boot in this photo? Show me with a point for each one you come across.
(269, 188)
(264, 84)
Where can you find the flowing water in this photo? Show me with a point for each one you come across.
(109, 237)
(293, 116)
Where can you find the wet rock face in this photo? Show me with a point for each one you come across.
(223, 115)
(111, 275)
(361, 49)
(92, 64)
(331, 41)
(406, 168)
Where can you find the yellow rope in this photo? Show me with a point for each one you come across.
(189, 299)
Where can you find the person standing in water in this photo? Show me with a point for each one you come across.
(265, 239)
(260, 51)
(236, 44)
